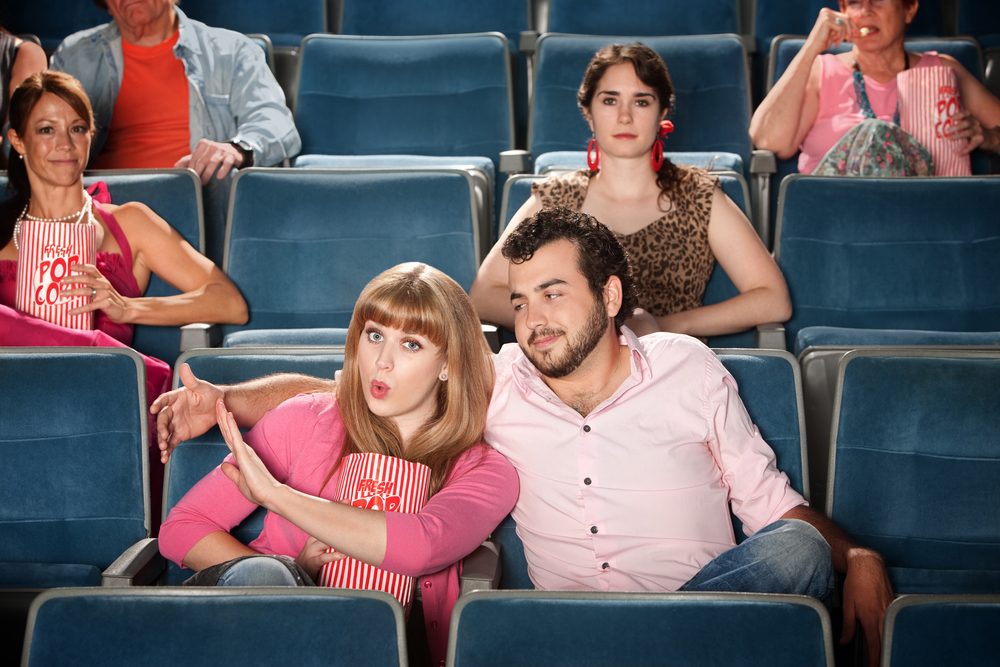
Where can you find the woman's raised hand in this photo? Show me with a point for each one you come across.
(250, 475)
(831, 28)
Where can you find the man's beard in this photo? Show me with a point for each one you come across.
(577, 349)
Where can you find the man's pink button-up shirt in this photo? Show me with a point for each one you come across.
(636, 495)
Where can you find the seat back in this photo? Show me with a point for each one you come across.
(643, 17)
(981, 20)
(898, 253)
(75, 490)
(302, 243)
(194, 459)
(711, 84)
(215, 626)
(51, 20)
(424, 95)
(286, 23)
(175, 195)
(914, 464)
(930, 630)
(770, 386)
(604, 629)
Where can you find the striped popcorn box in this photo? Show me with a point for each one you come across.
(47, 250)
(384, 483)
(929, 102)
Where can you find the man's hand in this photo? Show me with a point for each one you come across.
(212, 157)
(867, 594)
(184, 413)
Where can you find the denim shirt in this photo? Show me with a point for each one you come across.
(232, 93)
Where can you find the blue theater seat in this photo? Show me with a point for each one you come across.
(914, 465)
(301, 243)
(441, 17)
(903, 253)
(207, 627)
(285, 23)
(51, 20)
(74, 481)
(560, 629)
(643, 17)
(932, 630)
(711, 83)
(423, 101)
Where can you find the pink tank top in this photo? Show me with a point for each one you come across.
(117, 268)
(838, 106)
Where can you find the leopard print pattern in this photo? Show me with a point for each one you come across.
(671, 258)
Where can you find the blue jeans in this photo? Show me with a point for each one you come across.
(788, 556)
(257, 571)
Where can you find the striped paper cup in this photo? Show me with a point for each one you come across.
(47, 250)
(929, 102)
(382, 483)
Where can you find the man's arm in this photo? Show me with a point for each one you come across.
(189, 411)
(867, 591)
(258, 105)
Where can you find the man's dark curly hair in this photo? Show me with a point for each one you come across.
(600, 254)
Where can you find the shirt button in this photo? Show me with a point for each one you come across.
(427, 584)
(586, 480)
(593, 529)
(586, 428)
(434, 625)
(605, 565)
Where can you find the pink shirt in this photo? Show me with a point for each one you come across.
(298, 441)
(636, 495)
(838, 106)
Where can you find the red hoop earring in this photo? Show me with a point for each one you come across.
(593, 155)
(656, 155)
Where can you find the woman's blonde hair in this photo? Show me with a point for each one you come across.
(419, 299)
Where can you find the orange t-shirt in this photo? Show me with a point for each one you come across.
(150, 126)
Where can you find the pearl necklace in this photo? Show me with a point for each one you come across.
(85, 212)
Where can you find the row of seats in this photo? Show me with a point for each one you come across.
(458, 93)
(864, 258)
(913, 471)
(210, 627)
(758, 19)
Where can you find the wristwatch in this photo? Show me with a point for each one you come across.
(246, 150)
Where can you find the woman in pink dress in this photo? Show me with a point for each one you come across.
(51, 126)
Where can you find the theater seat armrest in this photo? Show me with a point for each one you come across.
(763, 162)
(481, 568)
(140, 565)
(527, 43)
(199, 334)
(516, 161)
(771, 336)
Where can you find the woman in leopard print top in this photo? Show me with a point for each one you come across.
(674, 221)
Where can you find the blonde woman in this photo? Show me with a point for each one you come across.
(416, 384)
